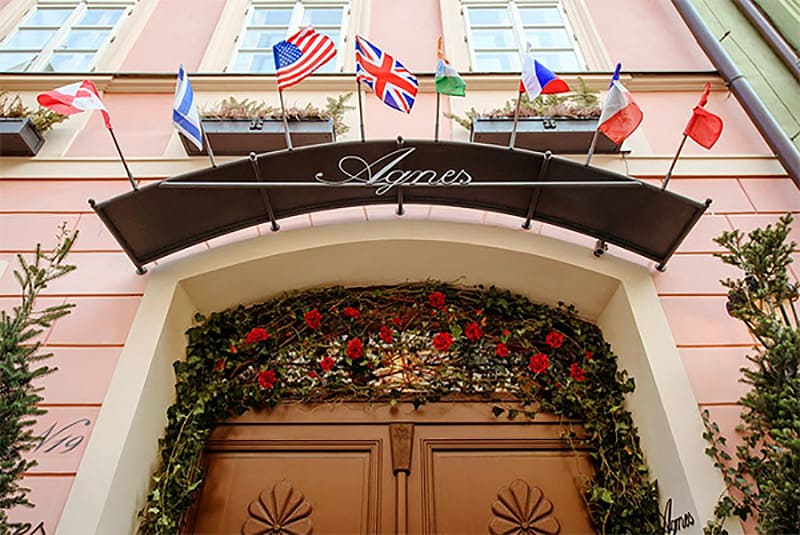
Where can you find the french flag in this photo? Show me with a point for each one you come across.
(621, 116)
(539, 80)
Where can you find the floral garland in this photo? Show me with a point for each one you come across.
(419, 343)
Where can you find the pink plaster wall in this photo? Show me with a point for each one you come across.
(646, 36)
(666, 115)
(141, 122)
(408, 30)
(163, 45)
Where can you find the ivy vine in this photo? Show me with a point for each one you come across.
(763, 482)
(415, 343)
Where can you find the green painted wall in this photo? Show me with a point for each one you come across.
(785, 16)
(769, 77)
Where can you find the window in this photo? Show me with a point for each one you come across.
(266, 23)
(61, 36)
(496, 33)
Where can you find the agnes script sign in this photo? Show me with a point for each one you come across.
(384, 174)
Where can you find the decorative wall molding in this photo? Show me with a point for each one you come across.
(165, 83)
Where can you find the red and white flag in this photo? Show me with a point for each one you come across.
(75, 98)
(704, 127)
(620, 116)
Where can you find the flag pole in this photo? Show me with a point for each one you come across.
(674, 161)
(285, 122)
(360, 109)
(436, 130)
(124, 163)
(208, 146)
(516, 120)
(592, 147)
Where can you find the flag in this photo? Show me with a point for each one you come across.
(538, 79)
(391, 82)
(448, 81)
(300, 55)
(704, 127)
(620, 116)
(184, 111)
(74, 98)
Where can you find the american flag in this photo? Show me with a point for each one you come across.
(391, 82)
(300, 55)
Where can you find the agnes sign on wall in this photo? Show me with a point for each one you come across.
(383, 173)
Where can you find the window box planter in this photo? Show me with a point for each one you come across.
(240, 137)
(18, 137)
(559, 135)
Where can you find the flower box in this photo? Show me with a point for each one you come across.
(240, 137)
(18, 137)
(559, 135)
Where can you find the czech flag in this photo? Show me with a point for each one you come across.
(538, 79)
(621, 116)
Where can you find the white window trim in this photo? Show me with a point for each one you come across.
(295, 24)
(79, 7)
(578, 22)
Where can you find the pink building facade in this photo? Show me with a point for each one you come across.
(102, 350)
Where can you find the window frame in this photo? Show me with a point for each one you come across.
(512, 8)
(43, 56)
(295, 23)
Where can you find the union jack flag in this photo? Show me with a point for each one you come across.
(391, 82)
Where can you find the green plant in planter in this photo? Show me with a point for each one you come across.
(20, 366)
(233, 108)
(42, 119)
(763, 482)
(580, 104)
(415, 343)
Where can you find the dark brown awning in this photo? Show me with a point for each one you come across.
(184, 210)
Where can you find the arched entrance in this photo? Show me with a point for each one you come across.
(417, 343)
(616, 295)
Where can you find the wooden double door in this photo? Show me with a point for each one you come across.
(447, 468)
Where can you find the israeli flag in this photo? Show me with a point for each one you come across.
(184, 111)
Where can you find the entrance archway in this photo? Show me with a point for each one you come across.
(618, 296)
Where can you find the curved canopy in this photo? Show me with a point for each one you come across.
(184, 210)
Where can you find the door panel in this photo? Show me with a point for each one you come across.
(340, 479)
(463, 476)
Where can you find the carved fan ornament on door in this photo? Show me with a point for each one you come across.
(413, 343)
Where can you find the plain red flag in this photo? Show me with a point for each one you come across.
(704, 127)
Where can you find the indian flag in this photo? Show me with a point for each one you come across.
(448, 81)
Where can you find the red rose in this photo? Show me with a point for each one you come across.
(267, 379)
(233, 349)
(576, 372)
(327, 363)
(588, 355)
(312, 374)
(437, 300)
(386, 334)
(539, 363)
(218, 367)
(313, 319)
(473, 332)
(554, 339)
(351, 312)
(256, 334)
(502, 350)
(355, 349)
(398, 322)
(443, 341)
(506, 333)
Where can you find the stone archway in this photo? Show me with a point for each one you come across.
(616, 295)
